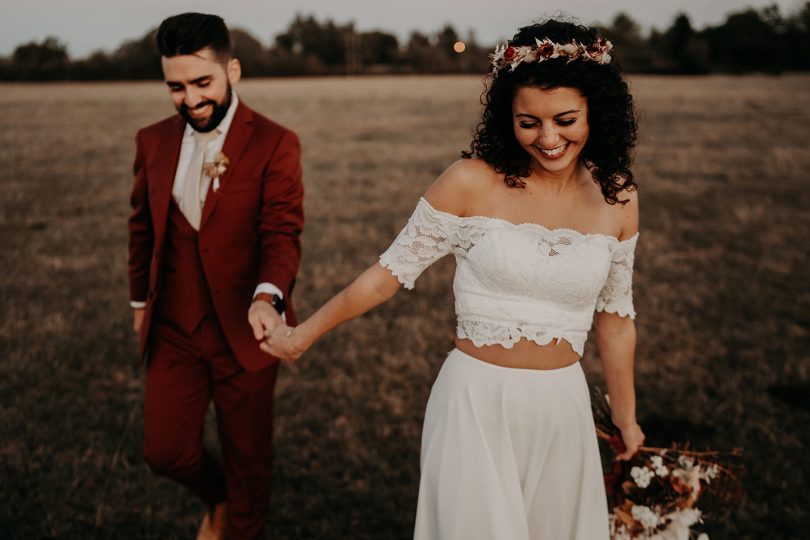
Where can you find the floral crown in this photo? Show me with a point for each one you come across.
(512, 56)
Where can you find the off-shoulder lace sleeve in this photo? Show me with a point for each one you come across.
(617, 293)
(428, 236)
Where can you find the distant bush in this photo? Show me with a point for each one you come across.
(749, 40)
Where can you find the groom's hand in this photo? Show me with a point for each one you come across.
(137, 319)
(263, 319)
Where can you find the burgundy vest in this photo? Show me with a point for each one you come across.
(184, 297)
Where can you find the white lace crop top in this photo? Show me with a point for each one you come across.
(518, 281)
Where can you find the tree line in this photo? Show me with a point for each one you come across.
(759, 40)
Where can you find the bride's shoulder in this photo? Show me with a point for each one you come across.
(625, 213)
(461, 185)
(622, 214)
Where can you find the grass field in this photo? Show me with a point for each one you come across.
(721, 290)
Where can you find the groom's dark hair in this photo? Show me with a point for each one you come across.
(187, 33)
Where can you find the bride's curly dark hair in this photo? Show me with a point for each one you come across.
(611, 118)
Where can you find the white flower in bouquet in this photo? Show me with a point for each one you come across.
(641, 476)
(687, 516)
(710, 473)
(658, 466)
(645, 516)
(617, 530)
(678, 524)
(672, 532)
(689, 479)
(686, 461)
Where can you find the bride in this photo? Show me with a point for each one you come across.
(542, 218)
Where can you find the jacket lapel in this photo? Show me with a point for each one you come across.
(165, 170)
(235, 142)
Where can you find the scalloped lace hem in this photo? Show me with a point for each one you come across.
(621, 311)
(396, 270)
(485, 333)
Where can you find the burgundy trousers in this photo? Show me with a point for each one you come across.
(184, 373)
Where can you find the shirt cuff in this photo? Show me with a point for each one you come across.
(137, 305)
(268, 288)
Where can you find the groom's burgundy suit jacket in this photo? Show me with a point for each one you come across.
(249, 229)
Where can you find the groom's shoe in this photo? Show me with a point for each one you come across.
(213, 524)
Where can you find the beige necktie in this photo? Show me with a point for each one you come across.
(191, 205)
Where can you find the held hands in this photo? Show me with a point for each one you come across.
(284, 344)
(276, 337)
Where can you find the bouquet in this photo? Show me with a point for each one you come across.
(655, 495)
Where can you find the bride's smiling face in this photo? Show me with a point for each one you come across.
(551, 125)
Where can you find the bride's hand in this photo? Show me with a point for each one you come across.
(284, 344)
(633, 438)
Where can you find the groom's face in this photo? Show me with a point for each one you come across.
(200, 86)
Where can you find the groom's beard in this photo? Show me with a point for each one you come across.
(219, 112)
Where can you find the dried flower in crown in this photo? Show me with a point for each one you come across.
(513, 56)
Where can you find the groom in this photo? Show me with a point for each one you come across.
(213, 252)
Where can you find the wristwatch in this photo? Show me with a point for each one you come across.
(273, 299)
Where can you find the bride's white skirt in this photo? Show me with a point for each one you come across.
(509, 454)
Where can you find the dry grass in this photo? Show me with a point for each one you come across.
(722, 296)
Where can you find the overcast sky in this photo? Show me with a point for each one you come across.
(87, 25)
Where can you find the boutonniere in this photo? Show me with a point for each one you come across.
(216, 168)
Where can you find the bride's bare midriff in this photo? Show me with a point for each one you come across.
(524, 354)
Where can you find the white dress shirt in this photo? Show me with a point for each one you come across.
(214, 147)
(187, 151)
